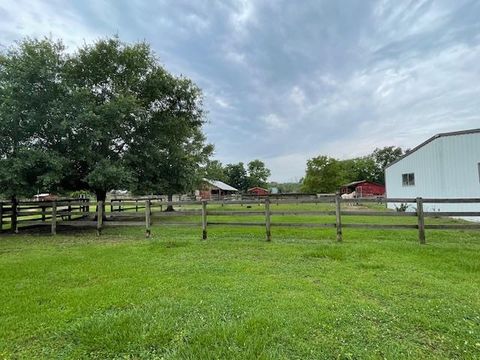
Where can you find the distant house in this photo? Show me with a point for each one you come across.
(363, 188)
(215, 189)
(257, 191)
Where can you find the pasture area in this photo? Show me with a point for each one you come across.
(378, 294)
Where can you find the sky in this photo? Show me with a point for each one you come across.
(285, 81)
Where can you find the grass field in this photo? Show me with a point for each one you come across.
(379, 294)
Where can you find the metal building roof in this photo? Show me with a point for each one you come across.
(221, 185)
(453, 133)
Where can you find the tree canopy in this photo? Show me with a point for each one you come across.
(326, 175)
(239, 176)
(323, 175)
(31, 123)
(108, 116)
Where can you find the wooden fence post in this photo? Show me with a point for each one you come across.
(54, 218)
(421, 221)
(44, 214)
(99, 217)
(147, 219)
(1, 217)
(338, 217)
(204, 220)
(69, 209)
(13, 220)
(267, 219)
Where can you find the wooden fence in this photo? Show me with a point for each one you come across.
(148, 211)
(34, 213)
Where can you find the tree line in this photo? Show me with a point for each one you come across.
(326, 174)
(239, 176)
(106, 116)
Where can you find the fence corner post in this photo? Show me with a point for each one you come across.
(54, 218)
(99, 217)
(421, 221)
(204, 219)
(267, 219)
(338, 215)
(148, 221)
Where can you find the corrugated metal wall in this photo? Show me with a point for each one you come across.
(447, 167)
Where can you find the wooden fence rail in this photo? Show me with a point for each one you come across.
(127, 213)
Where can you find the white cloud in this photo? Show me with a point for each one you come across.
(34, 18)
(275, 122)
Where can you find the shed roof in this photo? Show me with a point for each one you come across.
(355, 183)
(361, 182)
(221, 185)
(257, 187)
(453, 133)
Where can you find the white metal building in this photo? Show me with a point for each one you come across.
(445, 166)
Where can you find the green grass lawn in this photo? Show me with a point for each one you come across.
(379, 294)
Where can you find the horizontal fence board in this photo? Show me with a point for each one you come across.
(378, 200)
(176, 223)
(325, 200)
(126, 215)
(175, 203)
(293, 212)
(176, 213)
(377, 213)
(451, 213)
(123, 223)
(125, 208)
(127, 203)
(454, 226)
(452, 201)
(236, 202)
(236, 223)
(310, 225)
(380, 226)
(32, 223)
(234, 213)
(77, 222)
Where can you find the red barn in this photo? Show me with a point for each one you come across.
(257, 191)
(364, 188)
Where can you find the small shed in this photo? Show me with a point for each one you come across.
(257, 191)
(364, 188)
(215, 189)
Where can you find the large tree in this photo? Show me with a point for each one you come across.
(214, 170)
(384, 157)
(258, 173)
(237, 176)
(31, 121)
(136, 126)
(323, 175)
(106, 117)
(361, 168)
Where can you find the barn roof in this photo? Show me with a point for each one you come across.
(360, 182)
(355, 183)
(221, 185)
(453, 133)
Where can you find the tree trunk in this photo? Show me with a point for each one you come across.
(13, 220)
(170, 207)
(101, 196)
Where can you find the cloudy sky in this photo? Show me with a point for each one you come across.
(288, 80)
